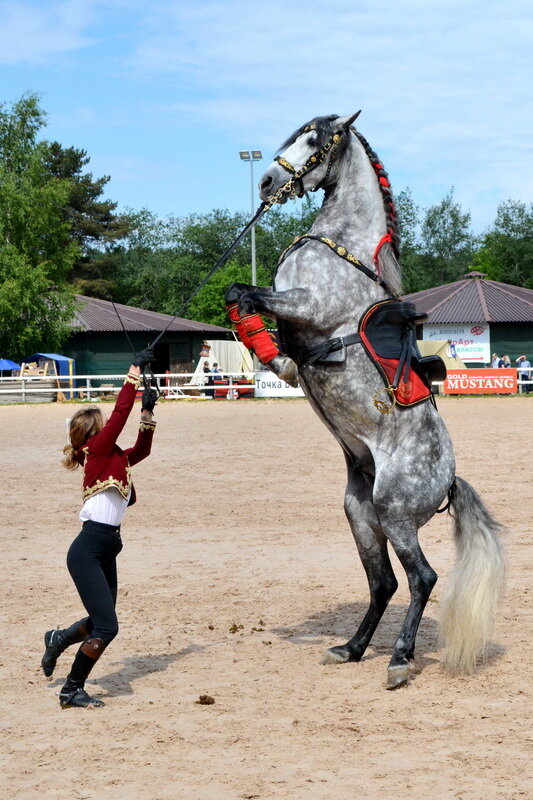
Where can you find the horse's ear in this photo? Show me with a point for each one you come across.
(345, 122)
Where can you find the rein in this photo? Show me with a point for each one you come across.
(289, 188)
(294, 186)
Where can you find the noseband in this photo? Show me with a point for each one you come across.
(295, 184)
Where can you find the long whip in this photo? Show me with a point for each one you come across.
(220, 263)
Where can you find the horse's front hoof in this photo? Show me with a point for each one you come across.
(397, 676)
(285, 368)
(247, 304)
(336, 655)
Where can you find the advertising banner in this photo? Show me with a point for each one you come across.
(269, 385)
(470, 342)
(480, 381)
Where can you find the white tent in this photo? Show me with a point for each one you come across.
(232, 357)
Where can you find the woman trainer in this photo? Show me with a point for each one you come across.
(91, 559)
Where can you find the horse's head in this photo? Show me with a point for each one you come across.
(306, 158)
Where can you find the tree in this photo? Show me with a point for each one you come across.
(209, 306)
(506, 253)
(437, 247)
(33, 312)
(36, 252)
(447, 241)
(409, 219)
(93, 224)
(161, 262)
(278, 228)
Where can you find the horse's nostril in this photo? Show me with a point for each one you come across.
(266, 183)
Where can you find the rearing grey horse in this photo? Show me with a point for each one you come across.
(400, 464)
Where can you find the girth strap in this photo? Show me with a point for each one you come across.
(305, 356)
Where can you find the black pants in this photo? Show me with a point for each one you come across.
(91, 561)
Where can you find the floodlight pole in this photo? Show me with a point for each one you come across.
(254, 269)
(251, 156)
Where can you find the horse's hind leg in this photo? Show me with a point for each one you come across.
(372, 546)
(421, 578)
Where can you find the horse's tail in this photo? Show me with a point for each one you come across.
(476, 585)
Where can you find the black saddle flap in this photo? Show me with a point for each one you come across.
(433, 366)
(386, 324)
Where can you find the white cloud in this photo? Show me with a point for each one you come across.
(34, 34)
(444, 86)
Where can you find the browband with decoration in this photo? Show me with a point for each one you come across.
(328, 148)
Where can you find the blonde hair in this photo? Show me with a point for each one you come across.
(84, 424)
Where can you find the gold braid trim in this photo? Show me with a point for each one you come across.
(337, 248)
(135, 379)
(287, 164)
(109, 483)
(147, 425)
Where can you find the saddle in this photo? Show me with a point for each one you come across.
(387, 333)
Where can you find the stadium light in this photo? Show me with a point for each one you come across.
(251, 156)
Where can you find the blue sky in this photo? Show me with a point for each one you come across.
(164, 95)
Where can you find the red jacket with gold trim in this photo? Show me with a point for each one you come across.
(106, 465)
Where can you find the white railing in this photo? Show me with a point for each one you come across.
(173, 385)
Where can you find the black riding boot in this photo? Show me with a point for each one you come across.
(73, 694)
(56, 641)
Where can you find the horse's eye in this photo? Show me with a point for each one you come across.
(312, 139)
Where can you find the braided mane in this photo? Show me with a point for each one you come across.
(389, 206)
(387, 253)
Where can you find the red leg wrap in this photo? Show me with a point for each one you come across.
(253, 334)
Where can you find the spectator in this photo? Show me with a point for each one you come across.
(524, 366)
(505, 361)
(495, 360)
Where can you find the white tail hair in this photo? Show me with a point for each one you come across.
(476, 583)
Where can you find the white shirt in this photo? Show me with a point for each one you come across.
(108, 507)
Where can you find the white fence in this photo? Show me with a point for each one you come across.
(177, 385)
(35, 388)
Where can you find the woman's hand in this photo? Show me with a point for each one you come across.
(149, 399)
(144, 357)
(133, 370)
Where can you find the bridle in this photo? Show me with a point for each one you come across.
(294, 185)
(290, 189)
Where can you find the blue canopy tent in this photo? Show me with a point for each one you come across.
(64, 367)
(6, 365)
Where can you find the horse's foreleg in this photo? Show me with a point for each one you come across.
(300, 305)
(244, 301)
(372, 546)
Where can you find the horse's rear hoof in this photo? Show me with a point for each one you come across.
(397, 676)
(336, 655)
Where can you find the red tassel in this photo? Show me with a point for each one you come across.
(253, 334)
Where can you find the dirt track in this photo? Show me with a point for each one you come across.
(238, 571)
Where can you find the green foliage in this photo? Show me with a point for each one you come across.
(506, 252)
(439, 247)
(161, 262)
(35, 249)
(209, 306)
(33, 312)
(277, 230)
(93, 225)
(409, 218)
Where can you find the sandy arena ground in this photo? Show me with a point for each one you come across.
(238, 571)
